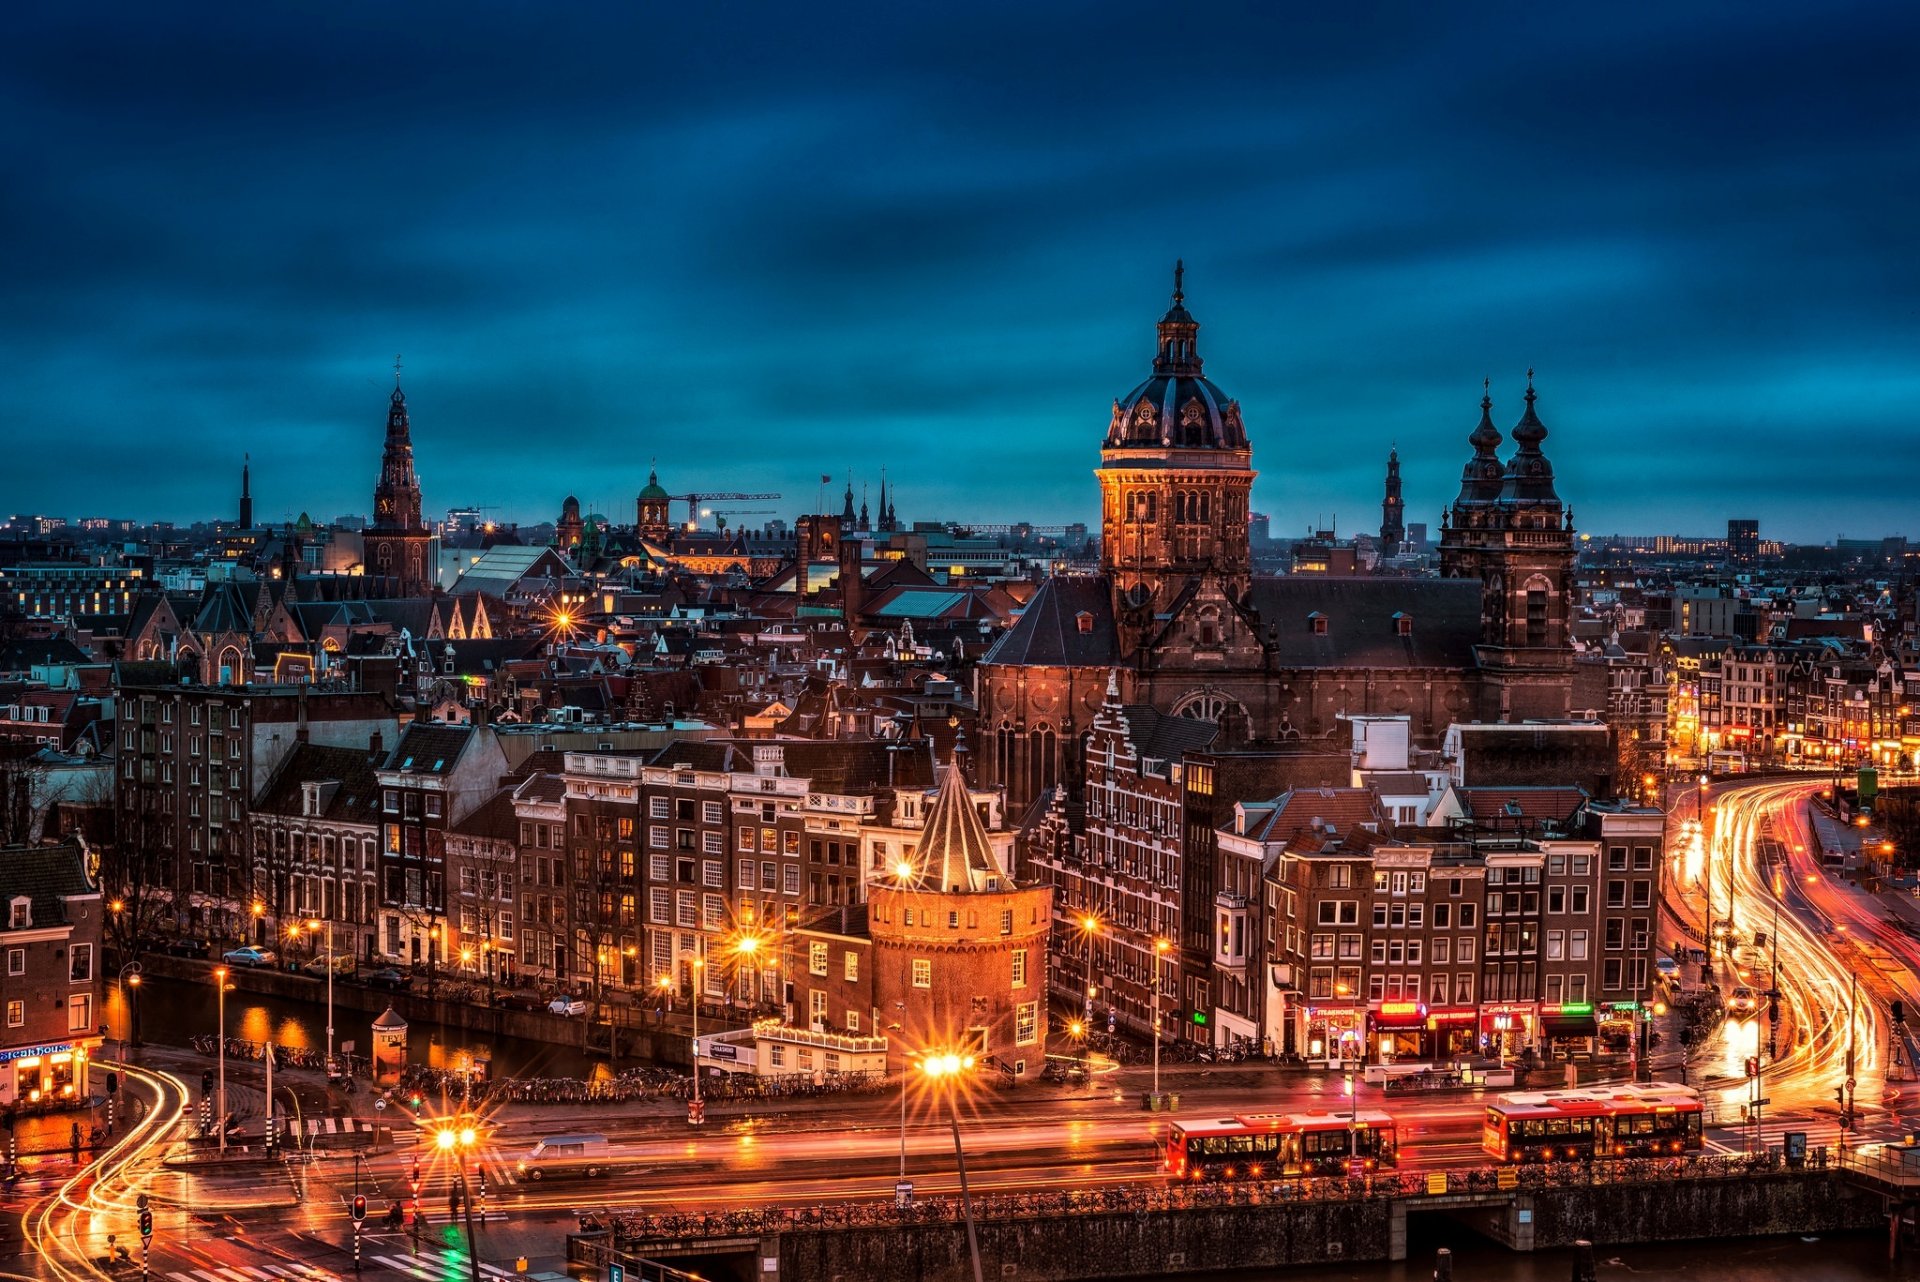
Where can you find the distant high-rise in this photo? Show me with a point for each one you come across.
(1393, 510)
(1743, 541)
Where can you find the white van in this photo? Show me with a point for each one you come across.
(560, 1156)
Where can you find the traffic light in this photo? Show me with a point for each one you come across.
(146, 1222)
(414, 1179)
(359, 1208)
(206, 1081)
(416, 1102)
(1840, 1096)
(1899, 1011)
(1753, 1066)
(113, 1082)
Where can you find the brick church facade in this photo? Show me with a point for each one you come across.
(1178, 616)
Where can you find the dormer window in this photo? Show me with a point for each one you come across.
(19, 913)
(1403, 625)
(1317, 622)
(1083, 622)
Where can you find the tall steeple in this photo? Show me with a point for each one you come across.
(246, 491)
(865, 524)
(398, 545)
(1179, 353)
(1393, 509)
(886, 520)
(847, 513)
(396, 499)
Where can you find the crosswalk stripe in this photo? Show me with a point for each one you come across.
(236, 1275)
(405, 1266)
(208, 1275)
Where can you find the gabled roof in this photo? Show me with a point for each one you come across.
(1049, 632)
(1166, 738)
(46, 875)
(1330, 811)
(357, 800)
(429, 748)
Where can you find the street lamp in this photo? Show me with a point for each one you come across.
(457, 1143)
(1089, 927)
(747, 948)
(945, 1070)
(1161, 947)
(696, 1107)
(327, 1059)
(220, 1098)
(130, 1000)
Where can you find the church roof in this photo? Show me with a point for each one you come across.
(1176, 406)
(955, 855)
(1049, 631)
(1362, 621)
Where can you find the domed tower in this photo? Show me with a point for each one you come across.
(568, 529)
(653, 523)
(1509, 529)
(959, 950)
(1176, 474)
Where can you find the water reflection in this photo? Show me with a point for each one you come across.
(172, 1012)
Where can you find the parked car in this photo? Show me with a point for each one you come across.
(186, 947)
(390, 979)
(342, 965)
(568, 1005)
(248, 956)
(509, 999)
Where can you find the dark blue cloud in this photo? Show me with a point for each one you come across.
(763, 242)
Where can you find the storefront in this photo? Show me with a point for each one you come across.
(1336, 1033)
(1453, 1031)
(1507, 1028)
(46, 1077)
(1619, 1022)
(1568, 1028)
(1399, 1030)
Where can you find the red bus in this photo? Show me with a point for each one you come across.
(1572, 1125)
(1253, 1145)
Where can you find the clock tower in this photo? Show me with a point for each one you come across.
(399, 547)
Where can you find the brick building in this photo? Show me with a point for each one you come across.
(50, 986)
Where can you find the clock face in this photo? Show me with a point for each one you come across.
(386, 507)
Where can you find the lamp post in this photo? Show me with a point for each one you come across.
(130, 999)
(696, 1107)
(902, 1191)
(220, 1096)
(1160, 949)
(747, 948)
(1706, 846)
(944, 1071)
(327, 1058)
(457, 1144)
(1089, 927)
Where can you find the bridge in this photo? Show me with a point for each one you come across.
(1149, 1229)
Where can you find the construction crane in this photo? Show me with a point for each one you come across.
(694, 500)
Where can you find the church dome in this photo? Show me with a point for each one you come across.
(1177, 407)
(654, 489)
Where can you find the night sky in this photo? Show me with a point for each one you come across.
(764, 243)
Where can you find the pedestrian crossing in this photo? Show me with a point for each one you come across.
(431, 1266)
(251, 1273)
(338, 1126)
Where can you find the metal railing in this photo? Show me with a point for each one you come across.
(633, 1230)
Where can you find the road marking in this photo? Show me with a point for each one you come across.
(417, 1270)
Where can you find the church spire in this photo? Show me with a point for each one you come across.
(847, 514)
(1480, 478)
(396, 499)
(246, 491)
(1179, 352)
(1393, 528)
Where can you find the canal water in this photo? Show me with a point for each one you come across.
(1843, 1258)
(173, 1012)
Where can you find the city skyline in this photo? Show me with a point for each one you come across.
(803, 250)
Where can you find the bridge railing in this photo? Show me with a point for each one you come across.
(634, 1229)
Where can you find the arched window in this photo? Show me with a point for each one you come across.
(1538, 591)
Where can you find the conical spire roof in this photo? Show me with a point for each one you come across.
(1529, 475)
(955, 855)
(1480, 479)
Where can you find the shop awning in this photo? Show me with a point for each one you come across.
(1571, 1020)
(1390, 1015)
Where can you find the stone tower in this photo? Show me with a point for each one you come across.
(1393, 510)
(1175, 474)
(1509, 529)
(651, 510)
(398, 543)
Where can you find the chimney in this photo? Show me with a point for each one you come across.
(376, 745)
(300, 726)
